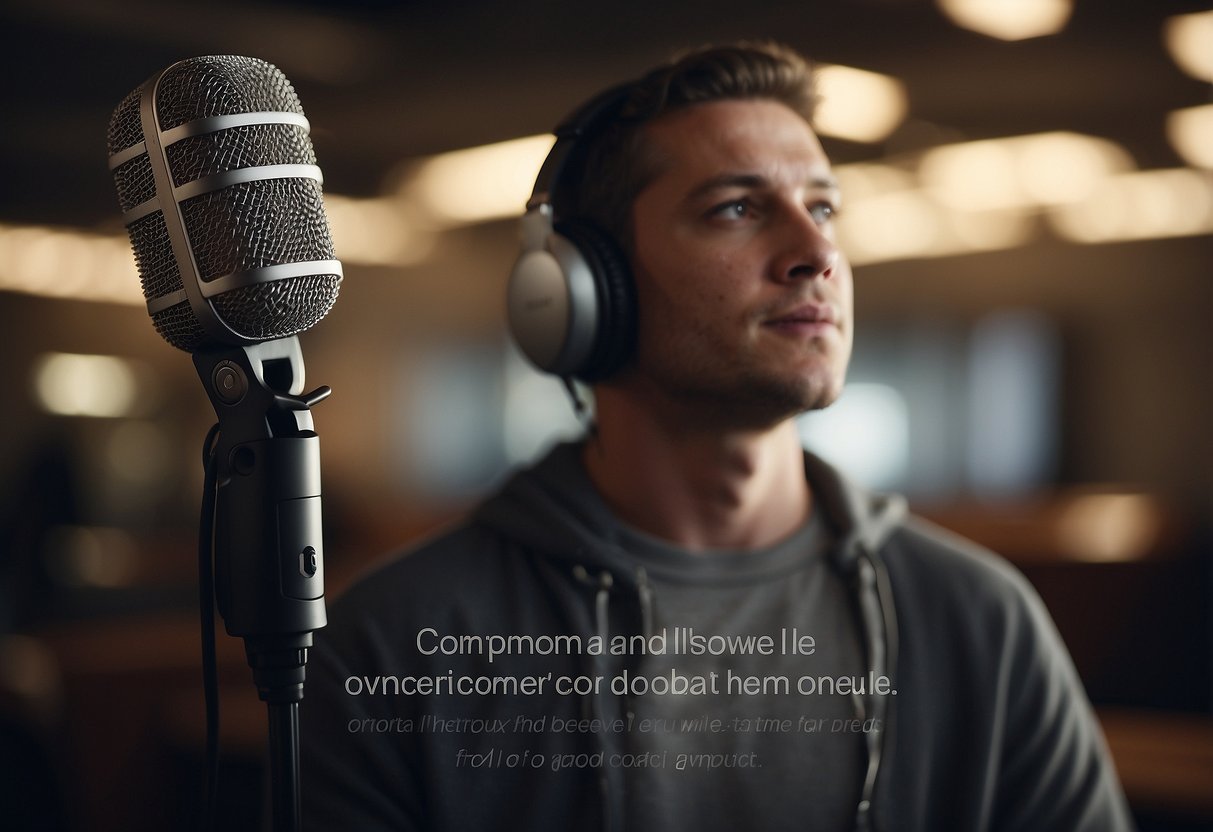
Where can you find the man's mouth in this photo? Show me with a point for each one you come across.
(811, 313)
(806, 319)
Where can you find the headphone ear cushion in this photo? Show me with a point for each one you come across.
(616, 295)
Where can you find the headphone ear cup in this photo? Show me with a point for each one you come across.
(615, 292)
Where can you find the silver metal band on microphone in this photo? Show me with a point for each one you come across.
(249, 277)
(120, 158)
(219, 181)
(140, 211)
(211, 124)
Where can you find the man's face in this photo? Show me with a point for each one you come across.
(745, 301)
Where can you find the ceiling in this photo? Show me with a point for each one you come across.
(382, 82)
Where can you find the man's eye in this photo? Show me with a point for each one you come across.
(823, 212)
(734, 210)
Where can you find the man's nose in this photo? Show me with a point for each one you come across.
(808, 251)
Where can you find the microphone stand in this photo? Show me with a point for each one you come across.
(267, 547)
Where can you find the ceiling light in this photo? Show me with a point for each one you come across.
(1189, 39)
(1035, 170)
(887, 217)
(1190, 132)
(375, 232)
(891, 227)
(1061, 167)
(1138, 206)
(988, 230)
(910, 224)
(489, 182)
(858, 105)
(1009, 19)
(64, 263)
(867, 179)
(86, 385)
(973, 176)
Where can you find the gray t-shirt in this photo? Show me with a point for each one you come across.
(758, 751)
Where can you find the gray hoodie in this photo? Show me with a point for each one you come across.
(407, 724)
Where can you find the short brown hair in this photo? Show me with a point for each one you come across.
(616, 164)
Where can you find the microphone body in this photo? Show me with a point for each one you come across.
(221, 195)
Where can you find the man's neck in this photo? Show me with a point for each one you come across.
(698, 486)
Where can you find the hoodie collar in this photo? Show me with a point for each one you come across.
(552, 508)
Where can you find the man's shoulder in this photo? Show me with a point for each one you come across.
(931, 565)
(955, 598)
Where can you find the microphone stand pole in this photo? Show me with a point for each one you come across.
(268, 551)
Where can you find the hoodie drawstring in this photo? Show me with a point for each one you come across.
(602, 598)
(880, 641)
(644, 590)
(604, 584)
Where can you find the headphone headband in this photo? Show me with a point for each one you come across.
(570, 134)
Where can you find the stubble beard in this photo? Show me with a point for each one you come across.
(746, 395)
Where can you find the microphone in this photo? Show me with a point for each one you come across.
(220, 191)
(221, 196)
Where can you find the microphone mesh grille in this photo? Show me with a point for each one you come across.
(158, 271)
(179, 326)
(268, 310)
(257, 144)
(135, 182)
(133, 178)
(278, 221)
(221, 85)
(125, 130)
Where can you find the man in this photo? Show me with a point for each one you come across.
(685, 622)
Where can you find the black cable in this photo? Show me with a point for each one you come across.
(284, 767)
(580, 410)
(206, 608)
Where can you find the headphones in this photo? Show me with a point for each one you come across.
(571, 300)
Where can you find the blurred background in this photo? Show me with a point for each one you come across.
(1027, 202)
